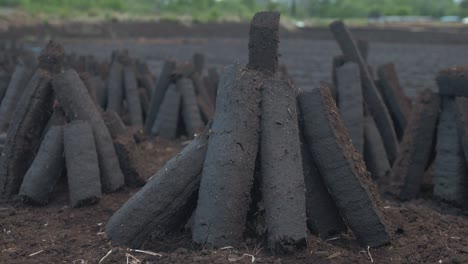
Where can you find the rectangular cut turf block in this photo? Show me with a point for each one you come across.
(337, 62)
(283, 188)
(96, 87)
(125, 147)
(42, 176)
(115, 88)
(453, 81)
(165, 203)
(4, 81)
(147, 83)
(190, 111)
(427, 185)
(198, 63)
(128, 154)
(351, 103)
(84, 184)
(17, 85)
(450, 170)
(228, 172)
(375, 156)
(114, 124)
(85, 77)
(372, 96)
(263, 42)
(417, 146)
(323, 217)
(462, 122)
(206, 111)
(132, 97)
(24, 135)
(2, 142)
(211, 83)
(167, 120)
(144, 101)
(78, 105)
(342, 168)
(256, 226)
(394, 96)
(101, 90)
(200, 89)
(157, 95)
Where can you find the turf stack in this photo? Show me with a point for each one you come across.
(379, 113)
(179, 103)
(435, 136)
(40, 144)
(375, 112)
(372, 97)
(450, 176)
(254, 146)
(182, 101)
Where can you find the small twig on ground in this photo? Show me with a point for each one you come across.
(370, 255)
(35, 253)
(233, 258)
(334, 255)
(248, 255)
(145, 252)
(132, 259)
(228, 247)
(103, 258)
(445, 232)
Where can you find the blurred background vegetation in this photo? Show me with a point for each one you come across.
(235, 10)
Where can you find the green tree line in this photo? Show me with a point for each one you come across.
(244, 9)
(365, 8)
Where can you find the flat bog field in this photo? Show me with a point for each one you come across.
(233, 143)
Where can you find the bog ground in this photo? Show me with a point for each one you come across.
(423, 231)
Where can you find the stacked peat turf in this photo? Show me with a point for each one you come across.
(181, 102)
(450, 177)
(28, 123)
(374, 112)
(254, 146)
(383, 114)
(436, 128)
(371, 95)
(57, 125)
(16, 68)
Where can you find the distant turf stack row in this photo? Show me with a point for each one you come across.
(180, 102)
(403, 139)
